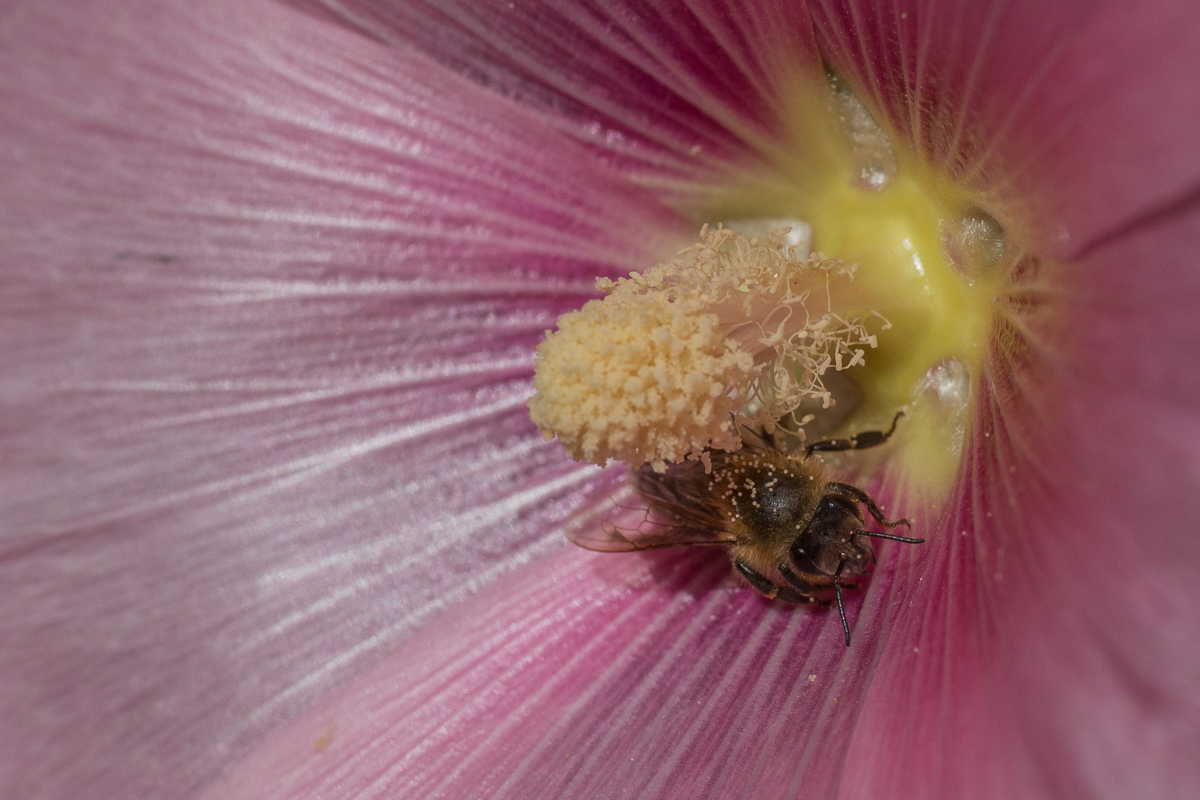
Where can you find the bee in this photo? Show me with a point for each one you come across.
(791, 532)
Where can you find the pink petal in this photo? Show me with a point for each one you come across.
(585, 675)
(682, 91)
(1071, 119)
(1113, 562)
(1034, 659)
(1057, 654)
(268, 302)
(160, 585)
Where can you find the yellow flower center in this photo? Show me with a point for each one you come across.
(927, 258)
(741, 332)
(940, 318)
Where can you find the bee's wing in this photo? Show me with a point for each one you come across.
(682, 512)
(610, 538)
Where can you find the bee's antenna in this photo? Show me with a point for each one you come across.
(837, 590)
(893, 537)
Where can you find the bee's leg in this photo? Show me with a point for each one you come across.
(875, 535)
(795, 580)
(837, 588)
(866, 499)
(859, 441)
(769, 438)
(768, 587)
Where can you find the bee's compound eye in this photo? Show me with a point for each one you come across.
(803, 552)
(826, 543)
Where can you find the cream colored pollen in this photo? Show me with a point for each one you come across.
(663, 367)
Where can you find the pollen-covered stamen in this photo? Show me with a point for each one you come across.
(663, 367)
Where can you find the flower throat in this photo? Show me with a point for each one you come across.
(848, 283)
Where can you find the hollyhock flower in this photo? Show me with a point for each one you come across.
(276, 523)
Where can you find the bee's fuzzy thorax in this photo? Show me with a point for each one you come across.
(769, 497)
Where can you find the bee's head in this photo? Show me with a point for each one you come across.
(829, 543)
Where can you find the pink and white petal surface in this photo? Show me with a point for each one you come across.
(585, 675)
(268, 297)
(272, 288)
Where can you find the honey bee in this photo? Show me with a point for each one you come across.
(791, 532)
